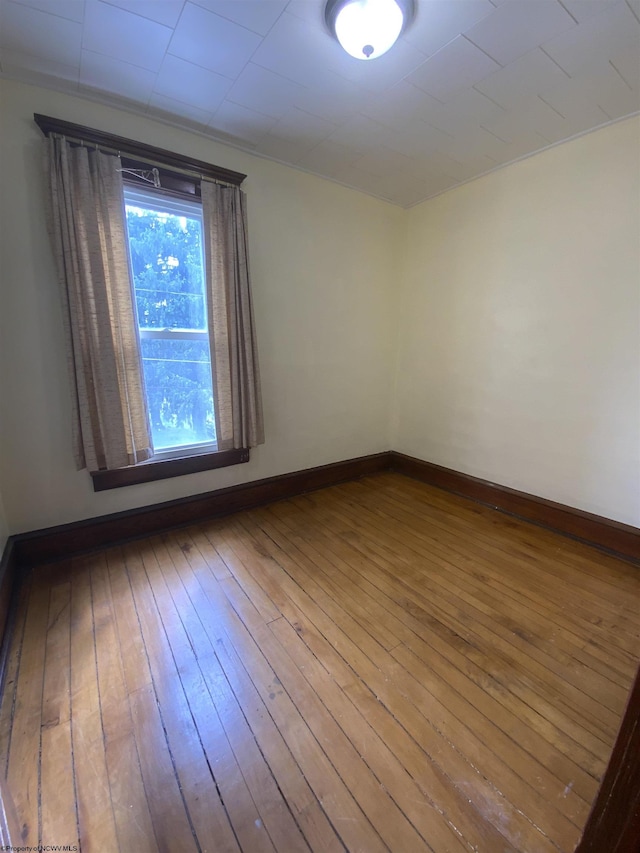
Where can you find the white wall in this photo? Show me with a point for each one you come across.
(519, 358)
(322, 258)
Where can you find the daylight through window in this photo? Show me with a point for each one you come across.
(166, 254)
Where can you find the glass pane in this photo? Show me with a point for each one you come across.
(166, 261)
(178, 379)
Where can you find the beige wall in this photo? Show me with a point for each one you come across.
(321, 258)
(505, 313)
(519, 357)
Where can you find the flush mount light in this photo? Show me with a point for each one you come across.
(368, 28)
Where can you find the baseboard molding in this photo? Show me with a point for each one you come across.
(55, 543)
(620, 539)
(10, 578)
(27, 550)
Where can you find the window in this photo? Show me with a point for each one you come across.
(157, 307)
(167, 266)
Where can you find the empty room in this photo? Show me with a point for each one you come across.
(320, 426)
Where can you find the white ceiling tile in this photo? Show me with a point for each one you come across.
(570, 102)
(598, 37)
(191, 84)
(521, 125)
(518, 26)
(437, 22)
(452, 69)
(111, 75)
(365, 181)
(381, 73)
(435, 111)
(476, 142)
(611, 91)
(460, 169)
(283, 150)
(601, 85)
(383, 161)
(212, 42)
(162, 105)
(583, 9)
(414, 138)
(511, 151)
(265, 92)
(241, 122)
(311, 11)
(298, 51)
(402, 102)
(413, 193)
(634, 5)
(432, 181)
(301, 51)
(30, 31)
(73, 10)
(536, 114)
(123, 35)
(329, 157)
(302, 128)
(256, 15)
(627, 63)
(529, 75)
(468, 108)
(164, 12)
(333, 98)
(360, 133)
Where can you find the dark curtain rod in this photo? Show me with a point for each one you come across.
(131, 149)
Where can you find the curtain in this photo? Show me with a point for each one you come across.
(234, 357)
(87, 225)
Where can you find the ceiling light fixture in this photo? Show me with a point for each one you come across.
(368, 28)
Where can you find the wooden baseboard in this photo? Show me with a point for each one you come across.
(9, 587)
(621, 539)
(54, 543)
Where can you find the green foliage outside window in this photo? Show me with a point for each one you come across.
(167, 267)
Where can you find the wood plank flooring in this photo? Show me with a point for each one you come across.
(378, 666)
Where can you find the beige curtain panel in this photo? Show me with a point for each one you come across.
(87, 224)
(234, 357)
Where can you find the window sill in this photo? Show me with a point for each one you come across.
(147, 472)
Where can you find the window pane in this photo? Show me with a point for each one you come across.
(166, 261)
(179, 393)
(165, 247)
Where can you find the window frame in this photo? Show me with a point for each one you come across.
(180, 176)
(141, 196)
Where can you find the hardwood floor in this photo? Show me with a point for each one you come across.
(376, 666)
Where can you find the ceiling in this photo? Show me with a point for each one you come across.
(470, 86)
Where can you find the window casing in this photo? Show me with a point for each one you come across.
(181, 178)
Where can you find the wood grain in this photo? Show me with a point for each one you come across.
(376, 666)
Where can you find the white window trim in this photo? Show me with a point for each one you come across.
(143, 197)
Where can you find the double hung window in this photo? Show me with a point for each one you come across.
(156, 304)
(167, 269)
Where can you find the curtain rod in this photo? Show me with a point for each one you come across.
(106, 149)
(140, 151)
